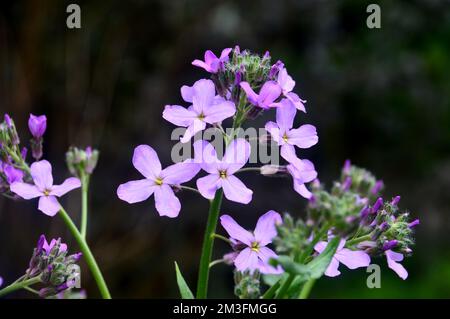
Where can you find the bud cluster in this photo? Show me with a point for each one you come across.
(247, 284)
(82, 162)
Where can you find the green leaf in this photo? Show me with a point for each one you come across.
(292, 267)
(320, 264)
(185, 292)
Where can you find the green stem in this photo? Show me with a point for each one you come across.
(272, 290)
(358, 240)
(88, 256)
(306, 290)
(208, 243)
(285, 286)
(19, 285)
(222, 238)
(84, 204)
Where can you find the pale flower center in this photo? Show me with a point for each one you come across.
(255, 246)
(285, 138)
(223, 174)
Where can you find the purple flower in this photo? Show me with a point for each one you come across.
(255, 254)
(221, 171)
(302, 171)
(351, 258)
(1, 281)
(269, 92)
(206, 108)
(212, 63)
(393, 259)
(37, 125)
(275, 69)
(287, 84)
(47, 247)
(157, 181)
(303, 137)
(12, 174)
(43, 187)
(414, 223)
(8, 121)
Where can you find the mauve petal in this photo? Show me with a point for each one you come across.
(304, 137)
(167, 204)
(332, 270)
(320, 246)
(136, 191)
(285, 81)
(187, 92)
(206, 156)
(265, 229)
(49, 205)
(42, 175)
(246, 260)
(303, 170)
(300, 188)
(392, 260)
(146, 161)
(179, 115)
(285, 115)
(196, 126)
(236, 155)
(251, 95)
(68, 185)
(236, 231)
(296, 101)
(180, 173)
(274, 131)
(225, 53)
(202, 65)
(1, 281)
(26, 191)
(234, 190)
(205, 91)
(216, 113)
(208, 185)
(268, 94)
(352, 258)
(288, 153)
(265, 254)
(210, 57)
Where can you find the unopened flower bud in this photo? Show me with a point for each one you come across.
(395, 201)
(37, 125)
(377, 205)
(414, 223)
(270, 169)
(390, 244)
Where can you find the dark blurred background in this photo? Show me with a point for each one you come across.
(380, 97)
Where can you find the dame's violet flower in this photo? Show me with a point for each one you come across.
(269, 92)
(157, 180)
(43, 187)
(287, 84)
(393, 260)
(351, 258)
(206, 108)
(12, 174)
(221, 171)
(255, 255)
(212, 63)
(303, 137)
(302, 171)
(37, 125)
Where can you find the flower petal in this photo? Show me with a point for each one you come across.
(236, 155)
(42, 175)
(392, 260)
(208, 185)
(68, 185)
(352, 258)
(216, 113)
(320, 246)
(251, 95)
(285, 81)
(196, 126)
(224, 55)
(236, 231)
(206, 156)
(303, 170)
(288, 153)
(300, 188)
(167, 204)
(274, 131)
(202, 65)
(304, 137)
(187, 92)
(332, 270)
(180, 173)
(246, 260)
(270, 91)
(26, 191)
(265, 229)
(136, 191)
(264, 255)
(146, 161)
(296, 101)
(285, 115)
(49, 205)
(236, 191)
(179, 115)
(205, 91)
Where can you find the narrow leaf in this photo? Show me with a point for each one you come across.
(185, 292)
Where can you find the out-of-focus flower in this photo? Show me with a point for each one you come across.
(206, 108)
(255, 255)
(37, 125)
(302, 172)
(43, 188)
(82, 162)
(287, 84)
(157, 180)
(212, 63)
(221, 171)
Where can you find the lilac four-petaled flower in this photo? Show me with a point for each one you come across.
(157, 181)
(221, 171)
(393, 258)
(212, 63)
(284, 135)
(351, 258)
(255, 255)
(206, 108)
(302, 172)
(269, 92)
(43, 187)
(287, 84)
